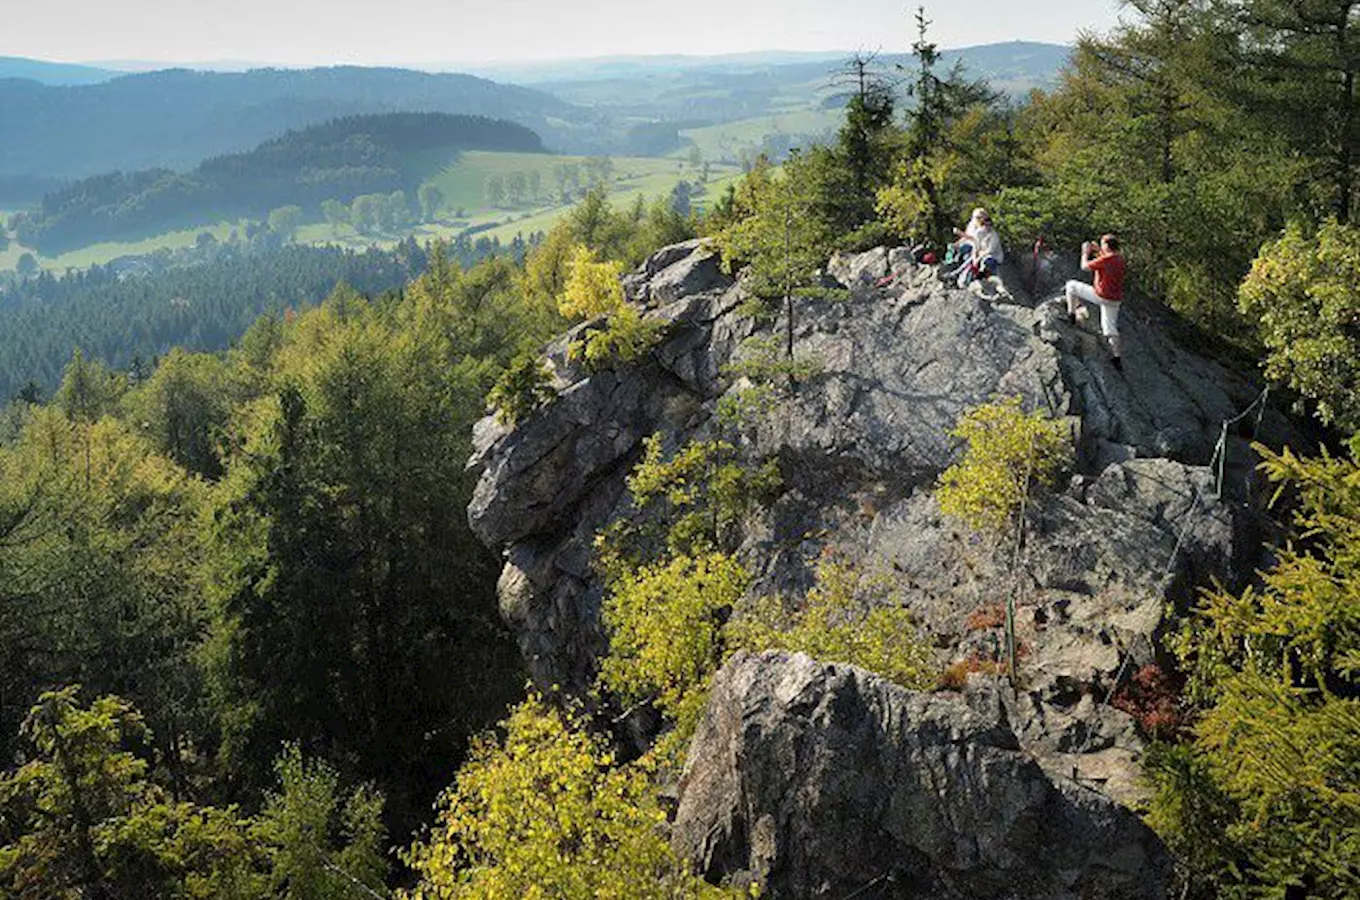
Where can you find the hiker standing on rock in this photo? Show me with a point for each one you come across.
(1108, 265)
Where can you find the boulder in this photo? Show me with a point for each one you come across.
(859, 269)
(823, 780)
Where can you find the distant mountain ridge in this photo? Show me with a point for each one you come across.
(1007, 59)
(53, 73)
(336, 160)
(728, 88)
(176, 118)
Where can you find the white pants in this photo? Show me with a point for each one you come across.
(1078, 291)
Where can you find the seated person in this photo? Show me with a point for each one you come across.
(962, 247)
(987, 254)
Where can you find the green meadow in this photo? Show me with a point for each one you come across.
(731, 140)
(464, 185)
(101, 253)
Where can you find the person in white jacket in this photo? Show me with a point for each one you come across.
(987, 254)
(964, 240)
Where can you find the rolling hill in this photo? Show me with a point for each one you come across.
(631, 106)
(174, 119)
(338, 160)
(53, 73)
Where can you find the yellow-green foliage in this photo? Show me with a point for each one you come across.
(1009, 451)
(688, 504)
(1268, 793)
(592, 288)
(548, 813)
(626, 336)
(1302, 292)
(664, 626)
(844, 619)
(908, 205)
(668, 586)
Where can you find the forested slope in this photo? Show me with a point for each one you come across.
(177, 118)
(127, 321)
(338, 160)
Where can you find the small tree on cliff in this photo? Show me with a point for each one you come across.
(1009, 454)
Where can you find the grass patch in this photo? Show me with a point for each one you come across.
(731, 139)
(463, 185)
(101, 253)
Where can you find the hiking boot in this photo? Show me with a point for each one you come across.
(1118, 364)
(1071, 318)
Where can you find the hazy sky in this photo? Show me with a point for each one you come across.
(313, 32)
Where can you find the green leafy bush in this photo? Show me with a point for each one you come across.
(1302, 292)
(549, 812)
(690, 503)
(524, 386)
(1267, 794)
(1008, 453)
(665, 624)
(669, 587)
(625, 337)
(845, 618)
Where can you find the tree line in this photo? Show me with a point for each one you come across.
(126, 321)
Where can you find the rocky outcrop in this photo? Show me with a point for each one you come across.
(1140, 521)
(823, 780)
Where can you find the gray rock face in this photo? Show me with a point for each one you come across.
(681, 270)
(861, 269)
(1128, 534)
(823, 780)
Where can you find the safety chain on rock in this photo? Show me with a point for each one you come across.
(1217, 465)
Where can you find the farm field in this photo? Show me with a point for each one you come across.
(508, 223)
(464, 187)
(621, 198)
(465, 184)
(730, 140)
(101, 253)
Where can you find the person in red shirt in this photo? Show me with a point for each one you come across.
(1107, 293)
